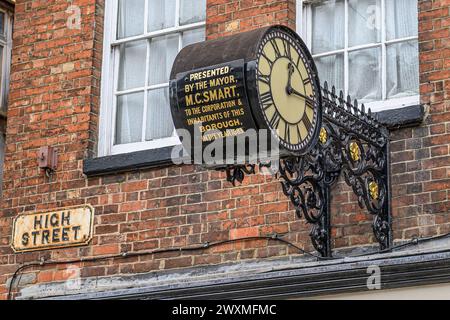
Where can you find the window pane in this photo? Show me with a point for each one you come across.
(364, 22)
(159, 118)
(365, 75)
(129, 118)
(402, 69)
(163, 51)
(328, 26)
(132, 65)
(192, 11)
(331, 69)
(131, 18)
(193, 36)
(4, 102)
(161, 14)
(401, 19)
(2, 158)
(2, 23)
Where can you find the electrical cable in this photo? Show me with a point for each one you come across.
(208, 245)
(125, 255)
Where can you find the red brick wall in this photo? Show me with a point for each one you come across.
(420, 155)
(54, 101)
(225, 17)
(55, 80)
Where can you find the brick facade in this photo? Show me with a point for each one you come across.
(54, 100)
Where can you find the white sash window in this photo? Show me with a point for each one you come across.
(367, 48)
(142, 39)
(6, 22)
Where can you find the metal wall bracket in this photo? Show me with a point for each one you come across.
(352, 142)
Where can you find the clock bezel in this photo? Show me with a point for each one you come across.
(254, 94)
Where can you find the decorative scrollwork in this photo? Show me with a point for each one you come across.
(320, 239)
(237, 173)
(301, 183)
(382, 230)
(362, 165)
(351, 141)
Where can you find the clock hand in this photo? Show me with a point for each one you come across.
(289, 84)
(290, 90)
(301, 95)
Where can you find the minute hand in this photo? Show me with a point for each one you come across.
(301, 95)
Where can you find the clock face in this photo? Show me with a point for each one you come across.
(289, 90)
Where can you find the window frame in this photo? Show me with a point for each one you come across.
(109, 83)
(6, 42)
(304, 28)
(6, 61)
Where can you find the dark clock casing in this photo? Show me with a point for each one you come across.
(241, 48)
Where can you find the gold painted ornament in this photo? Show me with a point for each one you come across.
(323, 137)
(374, 190)
(355, 152)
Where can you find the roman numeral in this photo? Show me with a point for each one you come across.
(298, 61)
(287, 49)
(287, 133)
(275, 121)
(306, 81)
(275, 47)
(266, 100)
(307, 123)
(309, 103)
(263, 78)
(269, 61)
(298, 132)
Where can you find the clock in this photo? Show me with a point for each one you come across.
(287, 91)
(264, 79)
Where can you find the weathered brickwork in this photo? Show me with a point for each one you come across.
(54, 100)
(420, 155)
(226, 17)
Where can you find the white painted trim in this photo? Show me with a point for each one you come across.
(147, 72)
(402, 40)
(134, 90)
(396, 103)
(383, 52)
(106, 99)
(160, 33)
(299, 17)
(346, 55)
(6, 42)
(146, 145)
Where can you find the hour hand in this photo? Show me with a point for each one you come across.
(289, 84)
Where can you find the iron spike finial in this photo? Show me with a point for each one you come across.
(326, 93)
(369, 116)
(355, 107)
(349, 103)
(341, 98)
(376, 120)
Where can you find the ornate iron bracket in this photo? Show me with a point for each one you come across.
(351, 142)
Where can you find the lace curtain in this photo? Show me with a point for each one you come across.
(365, 65)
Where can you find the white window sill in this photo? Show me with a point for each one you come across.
(147, 145)
(391, 104)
